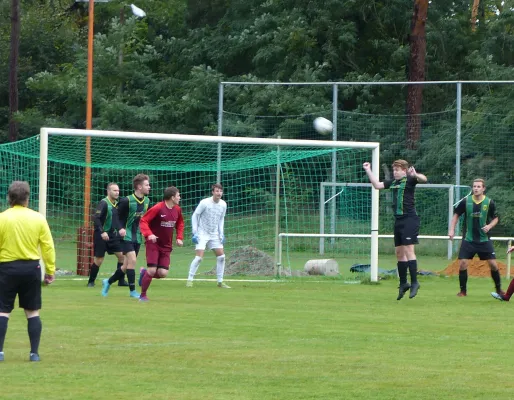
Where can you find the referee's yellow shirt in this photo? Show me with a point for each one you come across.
(22, 232)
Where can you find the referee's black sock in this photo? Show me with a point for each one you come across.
(34, 327)
(463, 280)
(495, 274)
(413, 270)
(3, 330)
(116, 276)
(93, 273)
(402, 271)
(131, 278)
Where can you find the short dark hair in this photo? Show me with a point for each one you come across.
(18, 193)
(217, 186)
(170, 192)
(111, 184)
(139, 179)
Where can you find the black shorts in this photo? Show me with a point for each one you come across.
(22, 278)
(406, 230)
(127, 247)
(485, 250)
(111, 246)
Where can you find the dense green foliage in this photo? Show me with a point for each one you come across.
(172, 62)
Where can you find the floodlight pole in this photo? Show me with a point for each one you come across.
(89, 113)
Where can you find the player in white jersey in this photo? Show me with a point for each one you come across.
(208, 222)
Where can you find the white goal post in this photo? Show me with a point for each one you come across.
(372, 147)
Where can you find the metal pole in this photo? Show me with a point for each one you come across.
(278, 251)
(220, 130)
(334, 164)
(509, 256)
(450, 216)
(458, 138)
(89, 112)
(322, 219)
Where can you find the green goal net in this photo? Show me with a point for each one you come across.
(269, 189)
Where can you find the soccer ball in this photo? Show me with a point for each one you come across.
(323, 126)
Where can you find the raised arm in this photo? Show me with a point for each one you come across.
(420, 177)
(372, 178)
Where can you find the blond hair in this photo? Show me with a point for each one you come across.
(401, 163)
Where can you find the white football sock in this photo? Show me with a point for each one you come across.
(220, 267)
(194, 267)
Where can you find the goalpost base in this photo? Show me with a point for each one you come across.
(85, 252)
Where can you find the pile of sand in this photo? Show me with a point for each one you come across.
(248, 260)
(476, 267)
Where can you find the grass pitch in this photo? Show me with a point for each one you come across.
(296, 339)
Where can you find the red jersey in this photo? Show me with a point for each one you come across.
(160, 221)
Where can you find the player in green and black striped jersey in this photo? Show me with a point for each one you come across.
(130, 211)
(105, 236)
(480, 216)
(406, 223)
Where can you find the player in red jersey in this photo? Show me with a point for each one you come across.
(157, 227)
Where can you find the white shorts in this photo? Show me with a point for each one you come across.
(208, 243)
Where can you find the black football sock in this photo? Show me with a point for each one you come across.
(118, 267)
(131, 277)
(463, 280)
(402, 271)
(495, 274)
(413, 270)
(34, 327)
(3, 330)
(93, 273)
(116, 276)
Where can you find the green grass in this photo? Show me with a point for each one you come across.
(299, 339)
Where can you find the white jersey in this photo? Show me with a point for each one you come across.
(209, 218)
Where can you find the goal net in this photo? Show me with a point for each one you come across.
(270, 185)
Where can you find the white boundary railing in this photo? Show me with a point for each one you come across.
(330, 235)
(322, 198)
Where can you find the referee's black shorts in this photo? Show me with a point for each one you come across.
(485, 250)
(406, 230)
(111, 246)
(22, 278)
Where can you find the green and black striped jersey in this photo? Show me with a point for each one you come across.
(403, 195)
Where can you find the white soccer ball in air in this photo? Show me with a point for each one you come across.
(323, 126)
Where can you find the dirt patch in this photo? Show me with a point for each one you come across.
(248, 260)
(476, 267)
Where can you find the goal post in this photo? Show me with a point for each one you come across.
(446, 200)
(271, 184)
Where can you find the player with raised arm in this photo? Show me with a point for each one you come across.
(130, 211)
(406, 223)
(105, 236)
(480, 216)
(208, 222)
(157, 227)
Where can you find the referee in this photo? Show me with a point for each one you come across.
(22, 232)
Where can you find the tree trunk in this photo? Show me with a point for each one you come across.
(418, 45)
(474, 13)
(13, 69)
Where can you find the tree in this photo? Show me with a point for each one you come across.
(13, 69)
(418, 45)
